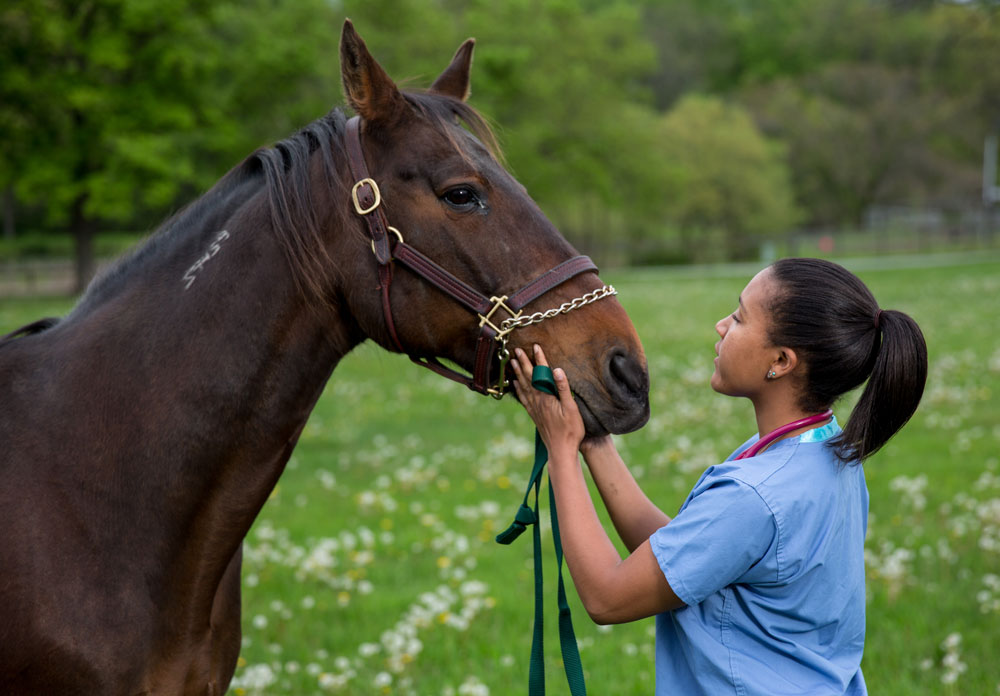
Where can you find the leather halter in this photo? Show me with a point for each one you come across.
(493, 329)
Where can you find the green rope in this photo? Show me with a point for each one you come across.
(541, 378)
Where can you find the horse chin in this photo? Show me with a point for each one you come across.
(603, 418)
(592, 425)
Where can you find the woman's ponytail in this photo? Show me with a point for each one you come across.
(832, 320)
(893, 390)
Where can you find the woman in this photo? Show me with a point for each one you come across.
(758, 582)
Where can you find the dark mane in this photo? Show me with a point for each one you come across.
(293, 214)
(284, 171)
(230, 192)
(35, 327)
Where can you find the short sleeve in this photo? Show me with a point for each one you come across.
(723, 530)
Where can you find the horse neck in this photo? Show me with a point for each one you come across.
(213, 362)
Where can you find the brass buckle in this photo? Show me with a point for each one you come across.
(498, 303)
(399, 236)
(500, 388)
(357, 203)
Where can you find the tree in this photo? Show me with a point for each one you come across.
(857, 135)
(116, 106)
(565, 81)
(733, 184)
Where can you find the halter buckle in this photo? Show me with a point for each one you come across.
(367, 181)
(498, 303)
(500, 388)
(399, 236)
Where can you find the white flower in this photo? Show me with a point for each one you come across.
(473, 687)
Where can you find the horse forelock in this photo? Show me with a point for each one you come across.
(442, 111)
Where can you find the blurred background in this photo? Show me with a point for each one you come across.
(652, 132)
(682, 144)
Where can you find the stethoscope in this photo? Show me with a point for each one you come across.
(757, 447)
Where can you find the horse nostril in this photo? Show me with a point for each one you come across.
(628, 375)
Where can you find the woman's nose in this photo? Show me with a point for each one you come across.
(721, 326)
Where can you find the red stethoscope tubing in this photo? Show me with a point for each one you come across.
(755, 449)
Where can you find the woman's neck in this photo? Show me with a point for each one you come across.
(774, 415)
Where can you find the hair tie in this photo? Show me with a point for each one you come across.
(878, 316)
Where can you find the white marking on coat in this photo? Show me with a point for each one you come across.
(214, 248)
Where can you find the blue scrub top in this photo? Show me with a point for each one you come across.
(768, 555)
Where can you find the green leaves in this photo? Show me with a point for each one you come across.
(134, 106)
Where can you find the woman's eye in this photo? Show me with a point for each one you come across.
(461, 197)
(735, 318)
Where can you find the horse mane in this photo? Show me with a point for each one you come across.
(283, 170)
(35, 327)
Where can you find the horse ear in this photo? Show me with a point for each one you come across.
(454, 81)
(369, 90)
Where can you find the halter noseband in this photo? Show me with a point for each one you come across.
(493, 330)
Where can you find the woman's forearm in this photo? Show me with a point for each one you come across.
(634, 515)
(612, 589)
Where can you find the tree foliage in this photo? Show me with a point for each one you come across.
(115, 112)
(733, 189)
(112, 108)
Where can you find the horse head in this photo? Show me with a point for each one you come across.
(429, 165)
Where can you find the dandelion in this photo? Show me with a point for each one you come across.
(473, 687)
(255, 678)
(952, 662)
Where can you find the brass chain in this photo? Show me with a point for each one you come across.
(508, 325)
(512, 323)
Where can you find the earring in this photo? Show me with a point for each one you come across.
(772, 374)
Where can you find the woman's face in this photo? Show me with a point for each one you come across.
(744, 352)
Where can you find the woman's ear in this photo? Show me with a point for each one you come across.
(784, 363)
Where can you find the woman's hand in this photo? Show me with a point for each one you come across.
(556, 417)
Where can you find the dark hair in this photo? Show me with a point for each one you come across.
(831, 319)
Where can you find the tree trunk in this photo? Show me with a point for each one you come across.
(82, 230)
(8, 212)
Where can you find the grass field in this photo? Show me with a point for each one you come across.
(373, 570)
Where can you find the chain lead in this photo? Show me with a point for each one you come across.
(508, 325)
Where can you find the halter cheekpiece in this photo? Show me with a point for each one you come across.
(498, 315)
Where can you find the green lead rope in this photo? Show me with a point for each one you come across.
(541, 378)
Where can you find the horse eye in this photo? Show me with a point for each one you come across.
(461, 197)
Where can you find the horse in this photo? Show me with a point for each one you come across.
(143, 432)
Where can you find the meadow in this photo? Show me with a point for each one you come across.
(373, 568)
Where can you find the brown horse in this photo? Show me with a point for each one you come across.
(141, 434)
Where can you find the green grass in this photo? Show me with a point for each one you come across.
(374, 565)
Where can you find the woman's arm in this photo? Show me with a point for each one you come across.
(613, 590)
(634, 515)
